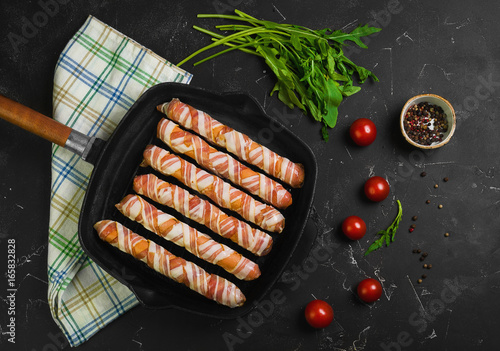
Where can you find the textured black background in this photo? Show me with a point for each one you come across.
(449, 48)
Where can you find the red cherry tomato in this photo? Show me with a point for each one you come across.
(377, 188)
(354, 227)
(319, 314)
(369, 290)
(363, 131)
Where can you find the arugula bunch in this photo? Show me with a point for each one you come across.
(311, 69)
(387, 236)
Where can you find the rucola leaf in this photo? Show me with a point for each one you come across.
(348, 90)
(387, 235)
(355, 36)
(311, 69)
(333, 98)
(295, 41)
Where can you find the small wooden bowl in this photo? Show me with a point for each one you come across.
(433, 100)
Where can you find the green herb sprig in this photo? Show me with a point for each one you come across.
(311, 69)
(387, 236)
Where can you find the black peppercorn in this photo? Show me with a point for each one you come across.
(425, 124)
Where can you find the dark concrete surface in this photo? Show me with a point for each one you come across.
(449, 48)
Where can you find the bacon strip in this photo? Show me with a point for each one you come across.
(235, 142)
(222, 193)
(199, 244)
(223, 164)
(203, 212)
(156, 257)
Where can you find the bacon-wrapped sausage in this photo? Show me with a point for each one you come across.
(222, 193)
(203, 212)
(223, 164)
(199, 244)
(235, 142)
(158, 258)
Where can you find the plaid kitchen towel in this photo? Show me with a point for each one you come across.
(98, 76)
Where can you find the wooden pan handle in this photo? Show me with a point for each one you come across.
(33, 121)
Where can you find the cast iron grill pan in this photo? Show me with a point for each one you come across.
(116, 163)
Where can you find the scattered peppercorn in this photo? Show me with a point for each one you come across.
(419, 281)
(425, 123)
(414, 218)
(445, 179)
(419, 251)
(423, 174)
(446, 234)
(421, 258)
(440, 206)
(428, 202)
(414, 250)
(429, 266)
(411, 230)
(413, 226)
(436, 186)
(425, 265)
(424, 276)
(425, 254)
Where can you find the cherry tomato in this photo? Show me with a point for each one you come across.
(369, 290)
(376, 188)
(354, 227)
(319, 314)
(363, 131)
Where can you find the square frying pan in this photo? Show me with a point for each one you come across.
(116, 163)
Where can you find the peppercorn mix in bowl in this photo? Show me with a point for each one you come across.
(428, 121)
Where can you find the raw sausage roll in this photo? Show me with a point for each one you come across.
(156, 257)
(223, 164)
(199, 244)
(222, 193)
(235, 142)
(203, 212)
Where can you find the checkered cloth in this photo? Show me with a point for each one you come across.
(98, 76)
